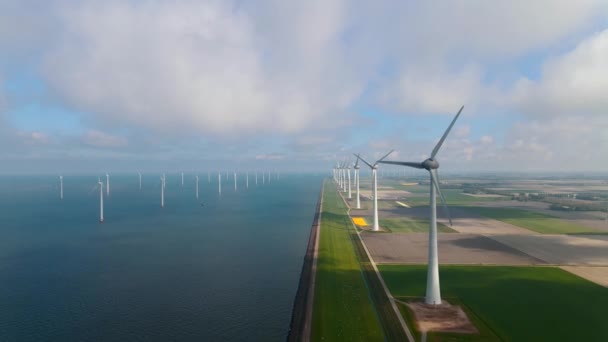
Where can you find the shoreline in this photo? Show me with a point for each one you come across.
(300, 326)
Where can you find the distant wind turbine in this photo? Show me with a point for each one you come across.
(139, 173)
(100, 200)
(196, 186)
(358, 199)
(107, 184)
(219, 182)
(433, 292)
(60, 187)
(374, 169)
(162, 191)
(234, 180)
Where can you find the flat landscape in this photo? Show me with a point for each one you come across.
(514, 266)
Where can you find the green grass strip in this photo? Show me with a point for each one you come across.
(343, 309)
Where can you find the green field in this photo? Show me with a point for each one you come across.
(405, 224)
(514, 303)
(452, 197)
(343, 310)
(537, 222)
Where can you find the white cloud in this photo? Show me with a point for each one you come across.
(574, 83)
(203, 66)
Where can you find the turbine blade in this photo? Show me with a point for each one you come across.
(363, 160)
(356, 162)
(447, 131)
(410, 164)
(381, 159)
(435, 178)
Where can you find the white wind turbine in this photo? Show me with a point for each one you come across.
(100, 200)
(247, 180)
(348, 171)
(196, 186)
(234, 180)
(376, 226)
(219, 182)
(433, 292)
(139, 173)
(60, 187)
(358, 199)
(182, 179)
(107, 184)
(162, 191)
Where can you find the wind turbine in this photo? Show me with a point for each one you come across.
(433, 292)
(162, 191)
(100, 200)
(182, 179)
(234, 180)
(348, 170)
(219, 182)
(107, 184)
(196, 186)
(256, 177)
(358, 199)
(247, 180)
(376, 226)
(139, 173)
(60, 187)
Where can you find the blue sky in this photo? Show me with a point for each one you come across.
(298, 85)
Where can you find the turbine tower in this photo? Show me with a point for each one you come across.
(139, 173)
(256, 177)
(219, 182)
(433, 292)
(60, 187)
(100, 200)
(196, 186)
(107, 184)
(162, 191)
(376, 226)
(358, 199)
(182, 179)
(348, 170)
(234, 180)
(247, 180)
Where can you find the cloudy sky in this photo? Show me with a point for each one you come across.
(123, 85)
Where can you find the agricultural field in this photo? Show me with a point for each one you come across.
(405, 224)
(512, 303)
(343, 310)
(538, 222)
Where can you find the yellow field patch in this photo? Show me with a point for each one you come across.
(360, 221)
(408, 184)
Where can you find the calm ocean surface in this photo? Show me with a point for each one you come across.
(227, 271)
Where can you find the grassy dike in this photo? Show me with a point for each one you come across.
(343, 309)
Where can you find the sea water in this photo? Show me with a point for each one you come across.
(221, 268)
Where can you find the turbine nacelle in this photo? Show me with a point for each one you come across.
(430, 164)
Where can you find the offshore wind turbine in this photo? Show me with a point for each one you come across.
(234, 180)
(182, 179)
(107, 184)
(60, 187)
(358, 199)
(100, 200)
(196, 186)
(247, 180)
(433, 292)
(162, 191)
(256, 177)
(376, 226)
(139, 173)
(219, 182)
